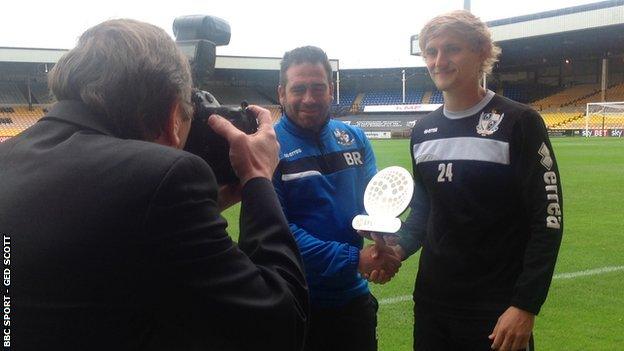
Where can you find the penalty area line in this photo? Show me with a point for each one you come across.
(572, 275)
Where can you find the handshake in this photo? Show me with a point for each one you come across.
(379, 262)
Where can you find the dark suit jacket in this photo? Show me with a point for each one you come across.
(118, 245)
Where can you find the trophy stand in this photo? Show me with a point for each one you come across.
(387, 195)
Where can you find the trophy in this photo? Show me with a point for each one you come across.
(387, 195)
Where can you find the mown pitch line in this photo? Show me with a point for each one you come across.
(572, 275)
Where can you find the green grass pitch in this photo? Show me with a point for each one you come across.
(581, 313)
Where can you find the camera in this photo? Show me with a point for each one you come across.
(197, 37)
(204, 142)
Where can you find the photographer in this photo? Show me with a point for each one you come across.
(116, 237)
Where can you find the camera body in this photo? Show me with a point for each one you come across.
(197, 37)
(204, 142)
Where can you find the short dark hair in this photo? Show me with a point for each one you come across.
(304, 54)
(129, 71)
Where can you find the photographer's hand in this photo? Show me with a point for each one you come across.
(252, 155)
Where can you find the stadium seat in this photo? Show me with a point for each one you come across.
(346, 98)
(10, 94)
(392, 97)
(436, 97)
(41, 93)
(559, 119)
(516, 93)
(566, 97)
(21, 118)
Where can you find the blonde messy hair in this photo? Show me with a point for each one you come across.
(470, 27)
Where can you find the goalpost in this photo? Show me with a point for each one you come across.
(600, 117)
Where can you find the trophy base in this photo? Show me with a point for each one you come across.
(376, 224)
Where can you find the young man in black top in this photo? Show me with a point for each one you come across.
(487, 209)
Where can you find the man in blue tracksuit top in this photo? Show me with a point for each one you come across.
(324, 168)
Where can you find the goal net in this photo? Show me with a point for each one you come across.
(604, 119)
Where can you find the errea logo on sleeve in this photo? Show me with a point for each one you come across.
(553, 210)
(546, 160)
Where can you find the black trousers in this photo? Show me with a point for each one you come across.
(350, 327)
(438, 329)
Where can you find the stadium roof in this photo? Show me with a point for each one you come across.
(256, 63)
(557, 13)
(34, 55)
(30, 55)
(589, 17)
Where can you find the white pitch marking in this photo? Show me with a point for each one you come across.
(396, 299)
(596, 271)
(588, 272)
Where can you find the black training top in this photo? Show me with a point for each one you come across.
(487, 208)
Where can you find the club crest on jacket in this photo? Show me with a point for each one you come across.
(488, 122)
(342, 137)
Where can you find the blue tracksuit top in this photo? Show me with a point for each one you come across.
(320, 182)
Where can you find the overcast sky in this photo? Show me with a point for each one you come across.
(361, 34)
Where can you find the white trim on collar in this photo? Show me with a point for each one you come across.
(470, 111)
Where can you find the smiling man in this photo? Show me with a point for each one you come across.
(324, 168)
(487, 206)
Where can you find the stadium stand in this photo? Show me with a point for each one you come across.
(21, 118)
(381, 98)
(414, 96)
(41, 93)
(556, 73)
(387, 97)
(515, 93)
(346, 98)
(232, 95)
(10, 94)
(614, 93)
(357, 103)
(559, 119)
(566, 108)
(570, 113)
(14, 119)
(436, 97)
(566, 97)
(339, 110)
(276, 112)
(597, 122)
(426, 97)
